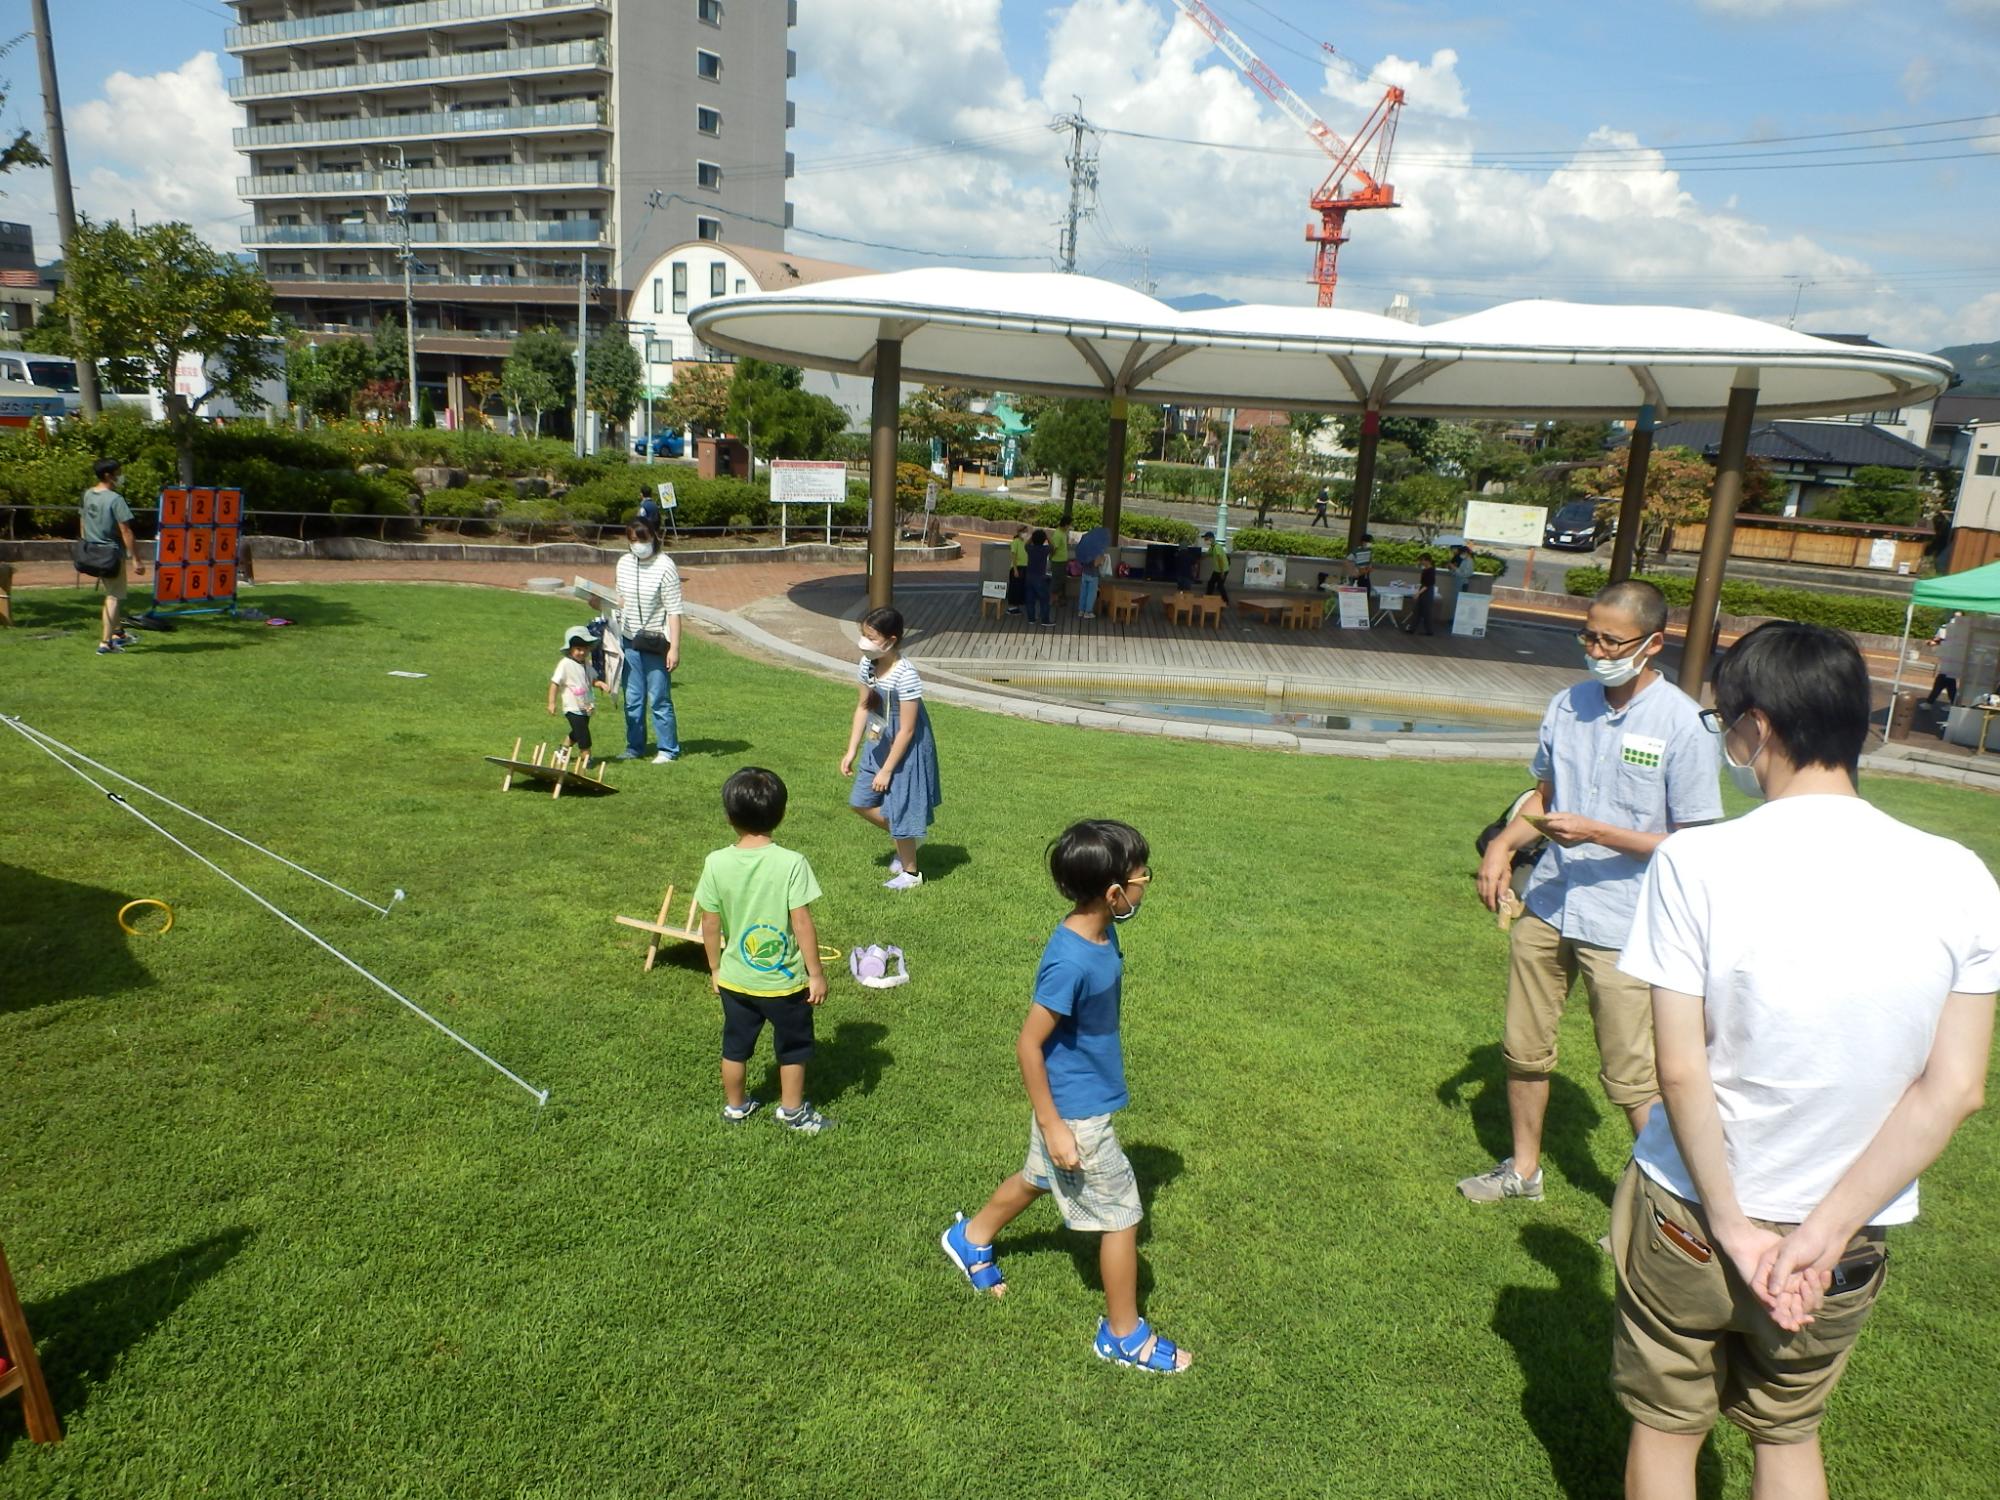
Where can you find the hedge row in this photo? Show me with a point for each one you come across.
(1757, 601)
(1082, 517)
(1386, 554)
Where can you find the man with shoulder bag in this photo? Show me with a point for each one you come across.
(106, 549)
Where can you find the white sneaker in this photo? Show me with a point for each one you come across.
(908, 880)
(664, 759)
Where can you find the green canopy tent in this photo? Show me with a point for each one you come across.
(1976, 591)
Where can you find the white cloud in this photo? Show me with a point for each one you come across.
(1763, 10)
(158, 146)
(1918, 78)
(1612, 223)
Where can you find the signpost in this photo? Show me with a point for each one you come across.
(1509, 526)
(1353, 608)
(797, 481)
(670, 503)
(1469, 618)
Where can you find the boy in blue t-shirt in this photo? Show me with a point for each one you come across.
(1074, 1071)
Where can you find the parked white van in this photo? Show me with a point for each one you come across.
(52, 372)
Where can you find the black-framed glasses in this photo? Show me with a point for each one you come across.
(1713, 722)
(1589, 638)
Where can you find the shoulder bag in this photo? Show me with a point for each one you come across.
(653, 642)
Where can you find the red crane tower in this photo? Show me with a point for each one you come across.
(1333, 201)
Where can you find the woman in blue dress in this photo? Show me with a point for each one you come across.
(896, 785)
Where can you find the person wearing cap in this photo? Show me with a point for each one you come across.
(572, 690)
(1218, 565)
(107, 521)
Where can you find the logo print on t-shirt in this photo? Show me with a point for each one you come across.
(763, 949)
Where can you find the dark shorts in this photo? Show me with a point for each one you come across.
(743, 1018)
(579, 730)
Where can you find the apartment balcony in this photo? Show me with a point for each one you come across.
(390, 19)
(414, 72)
(516, 232)
(550, 174)
(577, 114)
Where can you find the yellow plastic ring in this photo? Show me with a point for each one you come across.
(145, 901)
(828, 954)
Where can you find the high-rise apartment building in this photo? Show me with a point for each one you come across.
(507, 147)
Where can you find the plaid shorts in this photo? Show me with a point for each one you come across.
(1101, 1194)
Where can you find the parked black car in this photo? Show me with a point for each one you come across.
(1575, 524)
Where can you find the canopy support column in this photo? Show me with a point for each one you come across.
(1114, 470)
(1727, 495)
(1364, 478)
(1902, 655)
(1625, 546)
(882, 473)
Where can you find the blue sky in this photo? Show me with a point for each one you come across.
(1900, 248)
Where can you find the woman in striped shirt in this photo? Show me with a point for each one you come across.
(649, 622)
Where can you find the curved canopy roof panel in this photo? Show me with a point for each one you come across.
(1077, 336)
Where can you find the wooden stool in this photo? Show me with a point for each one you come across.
(6, 600)
(988, 605)
(24, 1371)
(1180, 608)
(1125, 606)
(1300, 616)
(1208, 607)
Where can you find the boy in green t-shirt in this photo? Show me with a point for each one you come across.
(754, 897)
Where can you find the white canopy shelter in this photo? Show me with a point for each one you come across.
(1079, 337)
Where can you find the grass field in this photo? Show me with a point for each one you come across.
(278, 1236)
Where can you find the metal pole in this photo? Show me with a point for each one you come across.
(582, 291)
(1364, 478)
(45, 55)
(1902, 655)
(410, 322)
(1114, 471)
(1728, 494)
(1222, 505)
(1625, 546)
(882, 473)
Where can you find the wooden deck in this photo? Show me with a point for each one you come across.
(1509, 673)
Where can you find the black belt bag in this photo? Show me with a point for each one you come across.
(98, 559)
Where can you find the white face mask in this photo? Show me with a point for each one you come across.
(642, 550)
(1616, 671)
(1745, 775)
(874, 651)
(1130, 911)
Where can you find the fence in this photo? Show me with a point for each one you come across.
(1826, 544)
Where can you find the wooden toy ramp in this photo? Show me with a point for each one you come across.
(564, 770)
(687, 932)
(22, 1372)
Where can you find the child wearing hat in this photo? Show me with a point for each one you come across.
(572, 688)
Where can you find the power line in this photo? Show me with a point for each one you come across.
(814, 234)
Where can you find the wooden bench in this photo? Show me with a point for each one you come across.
(1265, 608)
(1303, 614)
(1207, 609)
(989, 605)
(1125, 605)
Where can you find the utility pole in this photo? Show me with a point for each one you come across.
(399, 211)
(45, 54)
(1082, 164)
(582, 313)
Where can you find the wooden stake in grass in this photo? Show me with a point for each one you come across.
(25, 1371)
(509, 780)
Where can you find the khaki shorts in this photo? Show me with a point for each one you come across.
(1542, 966)
(117, 583)
(1101, 1195)
(1690, 1342)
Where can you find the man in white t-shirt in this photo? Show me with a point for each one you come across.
(1820, 1035)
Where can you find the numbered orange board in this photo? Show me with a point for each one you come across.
(201, 507)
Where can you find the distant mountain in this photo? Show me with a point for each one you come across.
(1978, 365)
(1200, 302)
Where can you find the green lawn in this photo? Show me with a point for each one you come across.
(276, 1235)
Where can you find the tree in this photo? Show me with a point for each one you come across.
(1269, 472)
(1414, 433)
(770, 406)
(137, 301)
(944, 416)
(539, 374)
(614, 382)
(1429, 502)
(391, 349)
(22, 150)
(325, 378)
(1678, 481)
(698, 397)
(482, 386)
(1454, 450)
(1575, 440)
(1880, 495)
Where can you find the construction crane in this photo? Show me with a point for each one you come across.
(1333, 201)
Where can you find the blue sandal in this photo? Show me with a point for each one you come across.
(975, 1262)
(1163, 1358)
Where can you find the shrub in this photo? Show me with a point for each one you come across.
(1386, 554)
(1082, 517)
(1758, 601)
